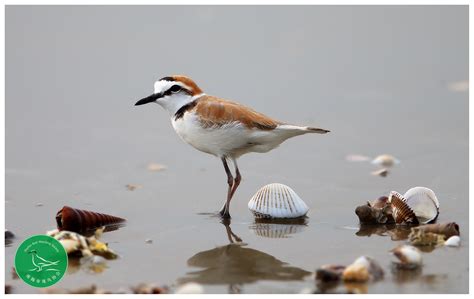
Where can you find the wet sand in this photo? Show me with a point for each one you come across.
(73, 137)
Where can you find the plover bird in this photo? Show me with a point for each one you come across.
(220, 127)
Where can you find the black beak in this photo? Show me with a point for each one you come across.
(149, 99)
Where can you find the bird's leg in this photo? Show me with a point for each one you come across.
(230, 235)
(230, 181)
(237, 179)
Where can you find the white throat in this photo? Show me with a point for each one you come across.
(173, 103)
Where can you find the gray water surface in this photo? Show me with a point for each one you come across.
(376, 76)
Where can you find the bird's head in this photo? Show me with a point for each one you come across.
(173, 92)
(32, 252)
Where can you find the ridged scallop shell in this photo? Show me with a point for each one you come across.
(423, 203)
(401, 212)
(277, 201)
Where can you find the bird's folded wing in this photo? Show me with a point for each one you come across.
(215, 112)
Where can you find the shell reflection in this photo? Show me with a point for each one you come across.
(270, 228)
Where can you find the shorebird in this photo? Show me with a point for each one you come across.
(220, 127)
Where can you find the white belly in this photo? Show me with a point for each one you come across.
(232, 140)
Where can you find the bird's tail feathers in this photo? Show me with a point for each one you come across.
(292, 130)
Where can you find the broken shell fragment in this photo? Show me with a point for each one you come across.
(156, 167)
(77, 220)
(423, 203)
(380, 202)
(421, 238)
(70, 245)
(277, 201)
(370, 215)
(330, 273)
(385, 160)
(363, 269)
(409, 257)
(79, 245)
(447, 229)
(402, 213)
(73, 243)
(356, 273)
(454, 241)
(378, 211)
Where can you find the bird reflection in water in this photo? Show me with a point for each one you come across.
(235, 264)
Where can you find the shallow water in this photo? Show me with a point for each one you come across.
(377, 77)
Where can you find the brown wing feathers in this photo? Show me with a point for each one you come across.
(215, 112)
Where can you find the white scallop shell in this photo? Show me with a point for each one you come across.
(423, 203)
(277, 201)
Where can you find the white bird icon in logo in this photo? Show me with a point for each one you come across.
(41, 263)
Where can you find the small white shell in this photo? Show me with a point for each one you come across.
(385, 160)
(409, 257)
(423, 203)
(454, 241)
(277, 201)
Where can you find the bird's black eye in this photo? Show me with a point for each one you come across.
(175, 88)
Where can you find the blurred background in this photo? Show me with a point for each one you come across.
(383, 79)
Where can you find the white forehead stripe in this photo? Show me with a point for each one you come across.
(163, 85)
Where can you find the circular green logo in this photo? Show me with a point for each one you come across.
(41, 261)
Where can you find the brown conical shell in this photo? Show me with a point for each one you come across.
(402, 213)
(77, 220)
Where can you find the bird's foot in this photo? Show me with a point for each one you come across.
(224, 214)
